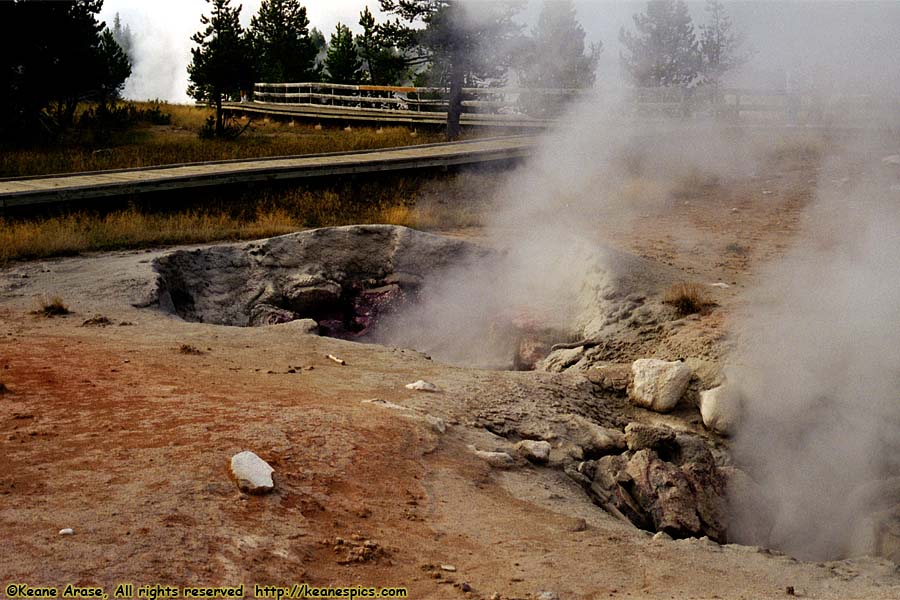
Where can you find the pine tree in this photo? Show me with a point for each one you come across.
(66, 58)
(556, 53)
(382, 63)
(124, 38)
(114, 69)
(343, 64)
(78, 62)
(220, 63)
(282, 44)
(719, 44)
(664, 51)
(460, 44)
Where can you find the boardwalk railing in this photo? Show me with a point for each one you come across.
(738, 104)
(705, 101)
(497, 100)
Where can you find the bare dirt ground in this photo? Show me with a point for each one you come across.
(113, 431)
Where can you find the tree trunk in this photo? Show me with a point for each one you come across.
(220, 123)
(454, 109)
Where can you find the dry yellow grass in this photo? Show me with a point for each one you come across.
(257, 213)
(149, 145)
(83, 232)
(431, 216)
(51, 307)
(688, 298)
(74, 234)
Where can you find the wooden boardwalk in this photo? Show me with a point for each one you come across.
(26, 191)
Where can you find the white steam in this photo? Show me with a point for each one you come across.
(819, 370)
(549, 223)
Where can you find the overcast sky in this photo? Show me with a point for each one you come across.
(849, 44)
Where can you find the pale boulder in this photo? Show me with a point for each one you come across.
(535, 451)
(252, 474)
(658, 385)
(720, 408)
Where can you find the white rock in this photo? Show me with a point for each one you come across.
(548, 596)
(538, 452)
(661, 536)
(448, 568)
(253, 474)
(720, 408)
(658, 384)
(720, 284)
(500, 460)
(67, 531)
(893, 159)
(422, 386)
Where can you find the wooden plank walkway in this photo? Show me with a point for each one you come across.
(348, 115)
(99, 184)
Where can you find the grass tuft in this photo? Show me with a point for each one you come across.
(189, 349)
(51, 307)
(688, 298)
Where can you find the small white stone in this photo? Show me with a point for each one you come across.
(499, 460)
(448, 568)
(422, 386)
(67, 531)
(661, 535)
(720, 284)
(253, 474)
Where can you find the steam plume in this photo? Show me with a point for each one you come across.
(818, 367)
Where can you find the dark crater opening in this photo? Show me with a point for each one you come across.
(346, 279)
(342, 282)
